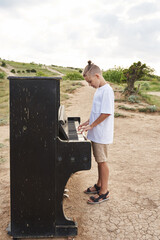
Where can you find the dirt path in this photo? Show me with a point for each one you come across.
(54, 71)
(154, 93)
(7, 70)
(134, 207)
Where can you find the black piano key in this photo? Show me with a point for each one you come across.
(72, 132)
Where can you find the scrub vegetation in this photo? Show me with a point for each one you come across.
(144, 84)
(71, 80)
(137, 83)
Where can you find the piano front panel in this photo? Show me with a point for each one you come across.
(33, 131)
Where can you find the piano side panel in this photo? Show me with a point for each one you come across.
(33, 126)
(72, 156)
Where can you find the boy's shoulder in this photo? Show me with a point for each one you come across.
(106, 87)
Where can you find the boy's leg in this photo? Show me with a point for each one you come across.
(104, 176)
(99, 176)
(100, 154)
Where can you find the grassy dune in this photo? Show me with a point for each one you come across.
(67, 87)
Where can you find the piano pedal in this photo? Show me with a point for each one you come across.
(66, 190)
(65, 195)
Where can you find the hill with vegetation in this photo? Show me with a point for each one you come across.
(71, 80)
(146, 87)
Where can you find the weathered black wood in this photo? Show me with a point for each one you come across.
(40, 162)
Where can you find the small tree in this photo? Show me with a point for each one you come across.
(135, 72)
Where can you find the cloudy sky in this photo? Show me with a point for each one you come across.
(69, 33)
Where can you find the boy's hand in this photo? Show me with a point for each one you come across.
(83, 124)
(85, 128)
(79, 127)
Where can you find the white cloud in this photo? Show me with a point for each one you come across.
(69, 33)
(144, 9)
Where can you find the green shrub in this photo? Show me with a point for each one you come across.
(28, 70)
(3, 122)
(18, 71)
(2, 159)
(150, 109)
(33, 70)
(41, 74)
(3, 64)
(73, 76)
(145, 86)
(146, 78)
(133, 99)
(114, 75)
(2, 75)
(116, 115)
(13, 71)
(1, 145)
(126, 108)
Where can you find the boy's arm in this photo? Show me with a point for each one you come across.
(100, 119)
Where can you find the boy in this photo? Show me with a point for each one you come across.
(100, 129)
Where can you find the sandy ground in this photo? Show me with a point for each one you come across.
(134, 207)
(154, 93)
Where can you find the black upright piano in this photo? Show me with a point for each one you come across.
(45, 149)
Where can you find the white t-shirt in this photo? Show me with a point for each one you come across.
(103, 102)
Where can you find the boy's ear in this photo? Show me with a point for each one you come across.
(97, 75)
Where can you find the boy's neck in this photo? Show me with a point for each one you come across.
(102, 82)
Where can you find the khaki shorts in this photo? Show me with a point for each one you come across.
(100, 152)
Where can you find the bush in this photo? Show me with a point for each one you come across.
(145, 86)
(126, 108)
(133, 99)
(3, 64)
(13, 71)
(33, 70)
(116, 115)
(28, 70)
(41, 74)
(2, 75)
(18, 71)
(150, 109)
(73, 76)
(114, 75)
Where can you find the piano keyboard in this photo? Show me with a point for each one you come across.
(81, 136)
(73, 132)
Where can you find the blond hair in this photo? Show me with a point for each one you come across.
(91, 69)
